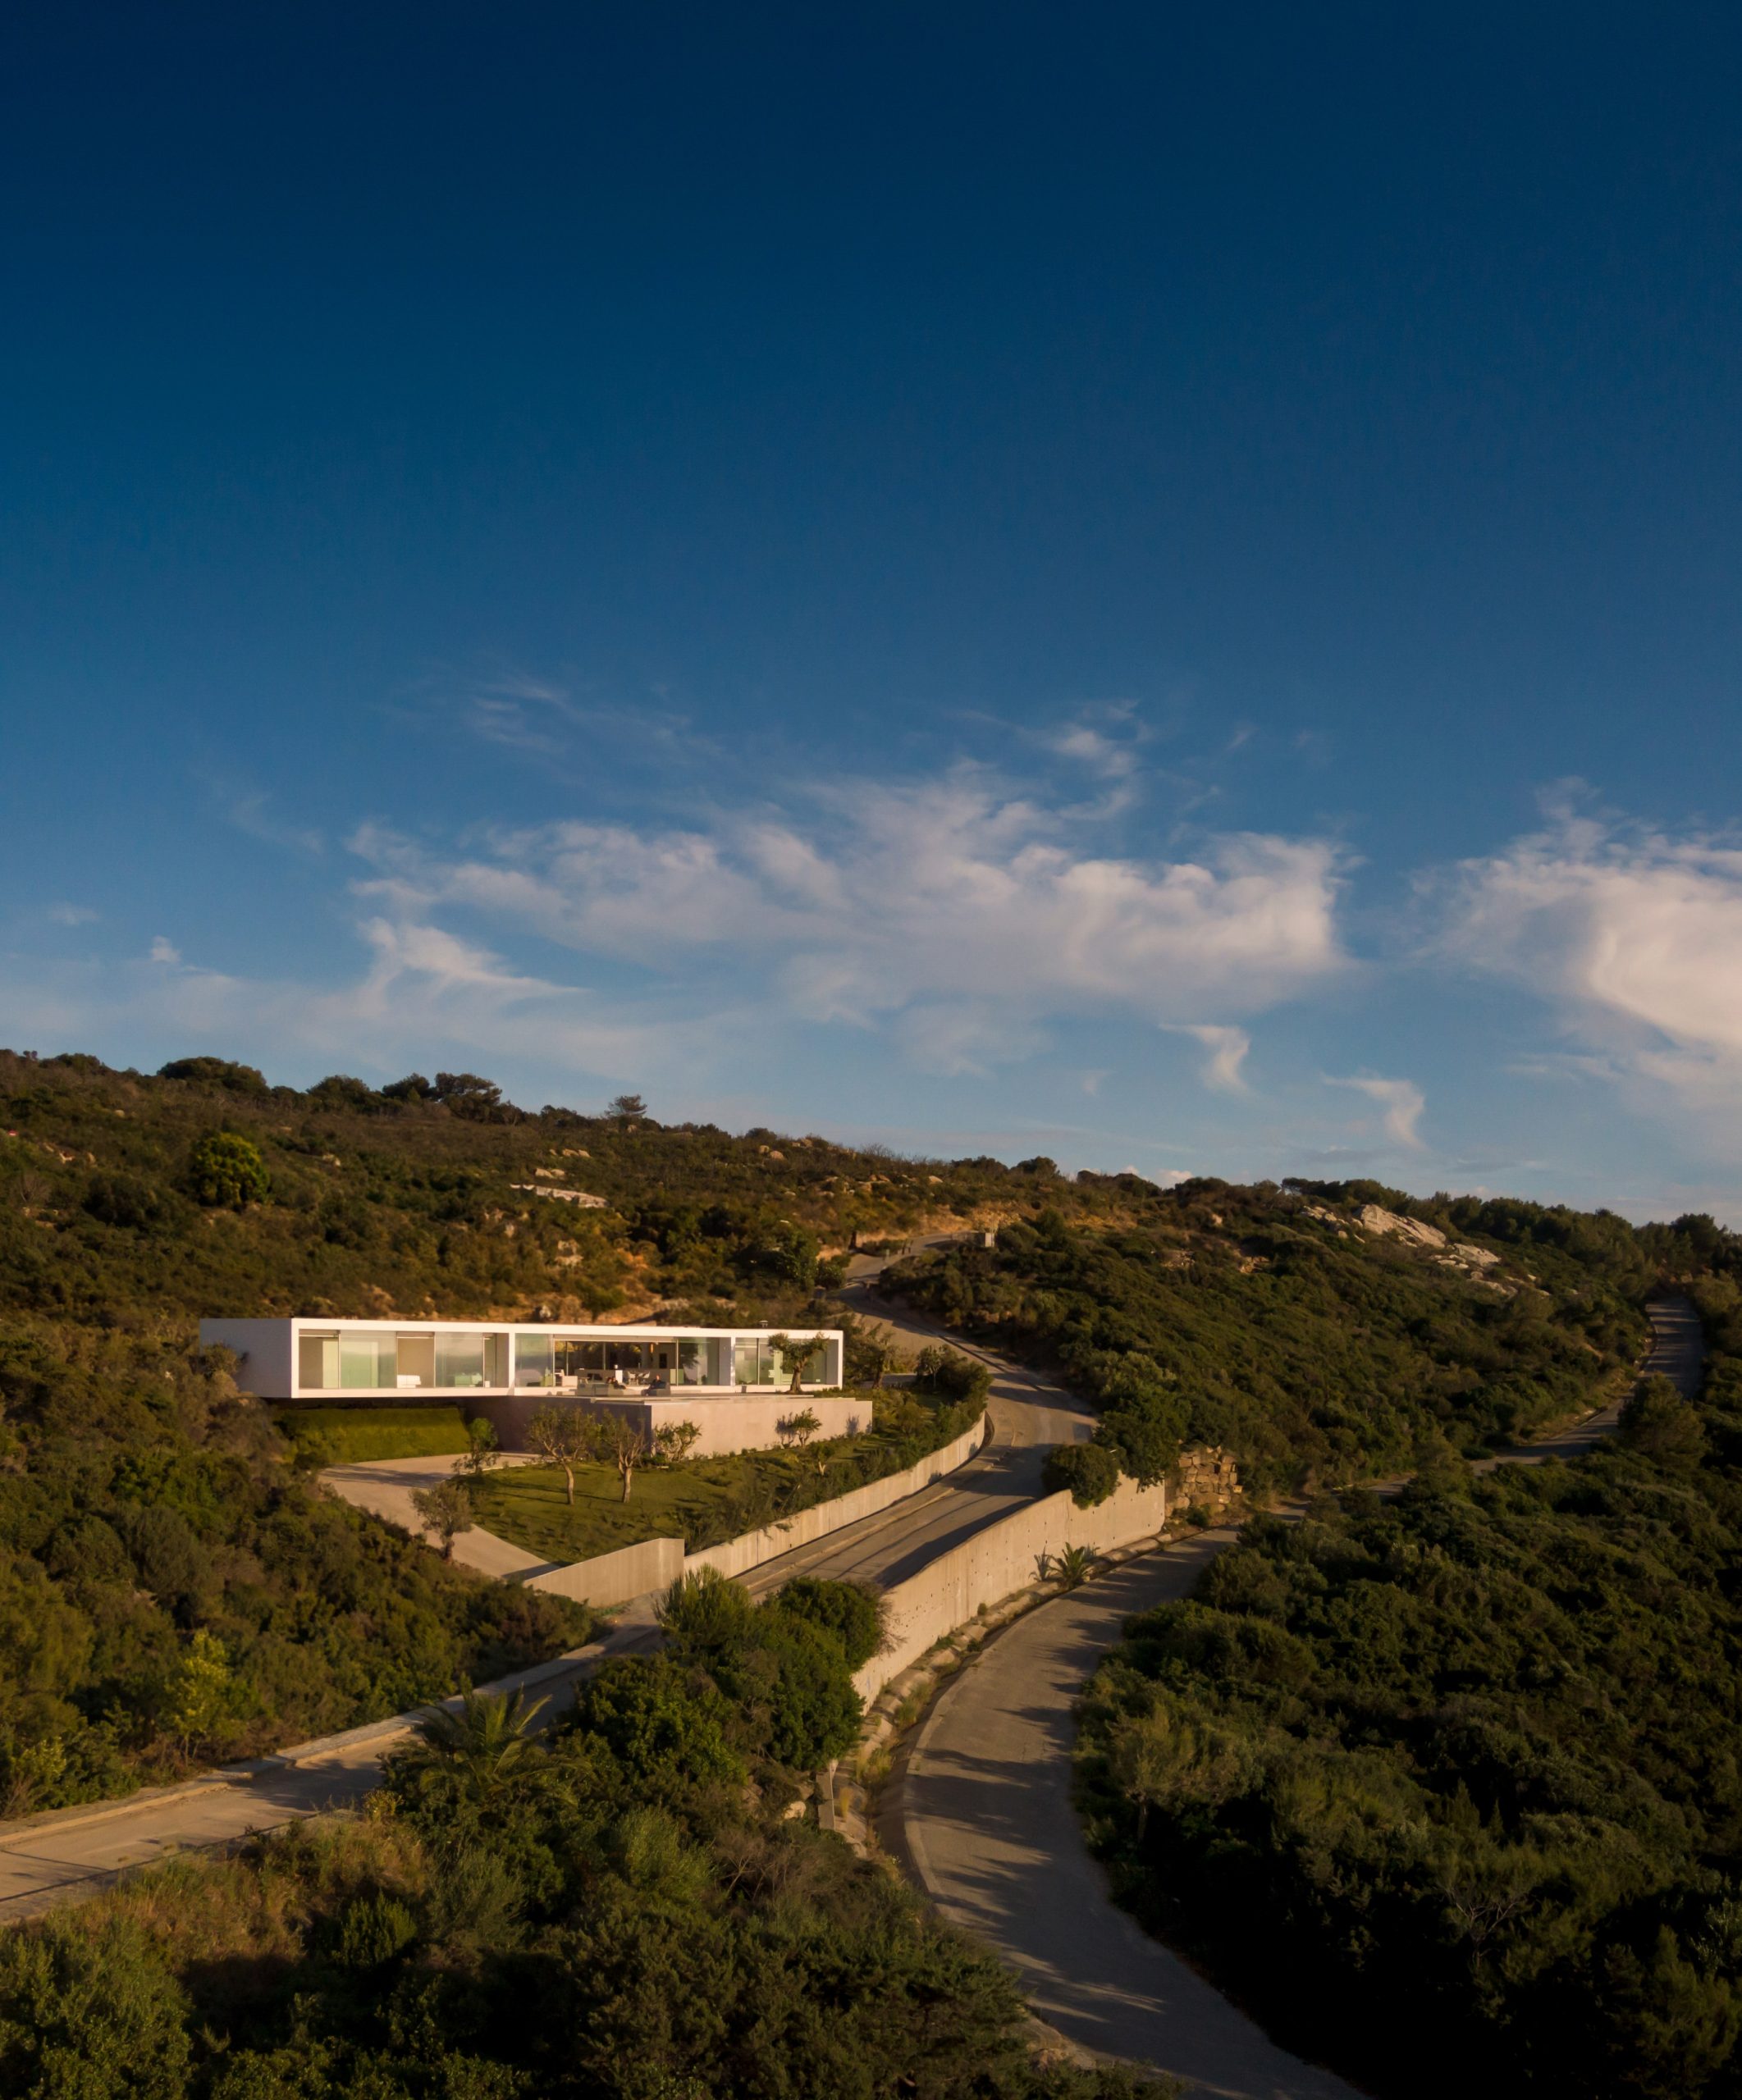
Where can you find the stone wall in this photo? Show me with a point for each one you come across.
(1206, 1479)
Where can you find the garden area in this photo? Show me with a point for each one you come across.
(705, 1501)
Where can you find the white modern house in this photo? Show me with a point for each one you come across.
(734, 1383)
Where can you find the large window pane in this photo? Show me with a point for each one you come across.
(317, 1360)
(366, 1360)
(460, 1359)
(535, 1362)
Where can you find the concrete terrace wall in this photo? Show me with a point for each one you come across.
(739, 1556)
(997, 1561)
(749, 1422)
(613, 1578)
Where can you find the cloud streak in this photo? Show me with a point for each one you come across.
(961, 914)
(1635, 935)
(1228, 1048)
(1402, 1101)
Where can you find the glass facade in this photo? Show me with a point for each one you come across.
(464, 1359)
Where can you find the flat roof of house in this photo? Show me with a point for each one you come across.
(629, 1331)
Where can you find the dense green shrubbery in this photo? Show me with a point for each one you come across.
(1313, 1350)
(1089, 1471)
(1461, 1770)
(209, 1192)
(618, 1911)
(170, 1589)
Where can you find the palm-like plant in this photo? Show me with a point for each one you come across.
(482, 1743)
(1069, 1569)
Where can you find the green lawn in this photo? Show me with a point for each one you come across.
(702, 1502)
(348, 1435)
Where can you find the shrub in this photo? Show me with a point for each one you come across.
(124, 1200)
(665, 1733)
(85, 2013)
(951, 1375)
(812, 1708)
(227, 1171)
(1089, 1471)
(852, 1611)
(1658, 1422)
(704, 1615)
(216, 1071)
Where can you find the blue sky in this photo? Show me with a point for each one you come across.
(1155, 585)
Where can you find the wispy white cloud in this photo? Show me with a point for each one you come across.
(962, 913)
(73, 914)
(422, 997)
(1402, 1100)
(1228, 1048)
(252, 813)
(1633, 933)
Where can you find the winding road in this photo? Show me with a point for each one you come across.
(66, 1853)
(982, 1816)
(1028, 1415)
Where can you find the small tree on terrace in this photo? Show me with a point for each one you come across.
(797, 1429)
(676, 1440)
(447, 1508)
(485, 1451)
(796, 1352)
(561, 1436)
(625, 1444)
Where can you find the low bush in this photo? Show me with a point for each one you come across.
(1089, 1471)
(852, 1611)
(1462, 1764)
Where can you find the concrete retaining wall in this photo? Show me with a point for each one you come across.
(739, 1556)
(613, 1578)
(750, 1421)
(994, 1563)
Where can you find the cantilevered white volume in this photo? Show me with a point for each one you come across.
(309, 1358)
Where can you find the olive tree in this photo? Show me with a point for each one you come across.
(561, 1436)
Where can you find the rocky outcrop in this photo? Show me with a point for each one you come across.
(1413, 1232)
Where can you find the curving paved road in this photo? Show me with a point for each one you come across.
(1028, 1416)
(65, 1855)
(983, 1819)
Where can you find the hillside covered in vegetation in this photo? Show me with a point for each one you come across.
(617, 1911)
(1464, 1765)
(1322, 1332)
(449, 1204)
(173, 1589)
